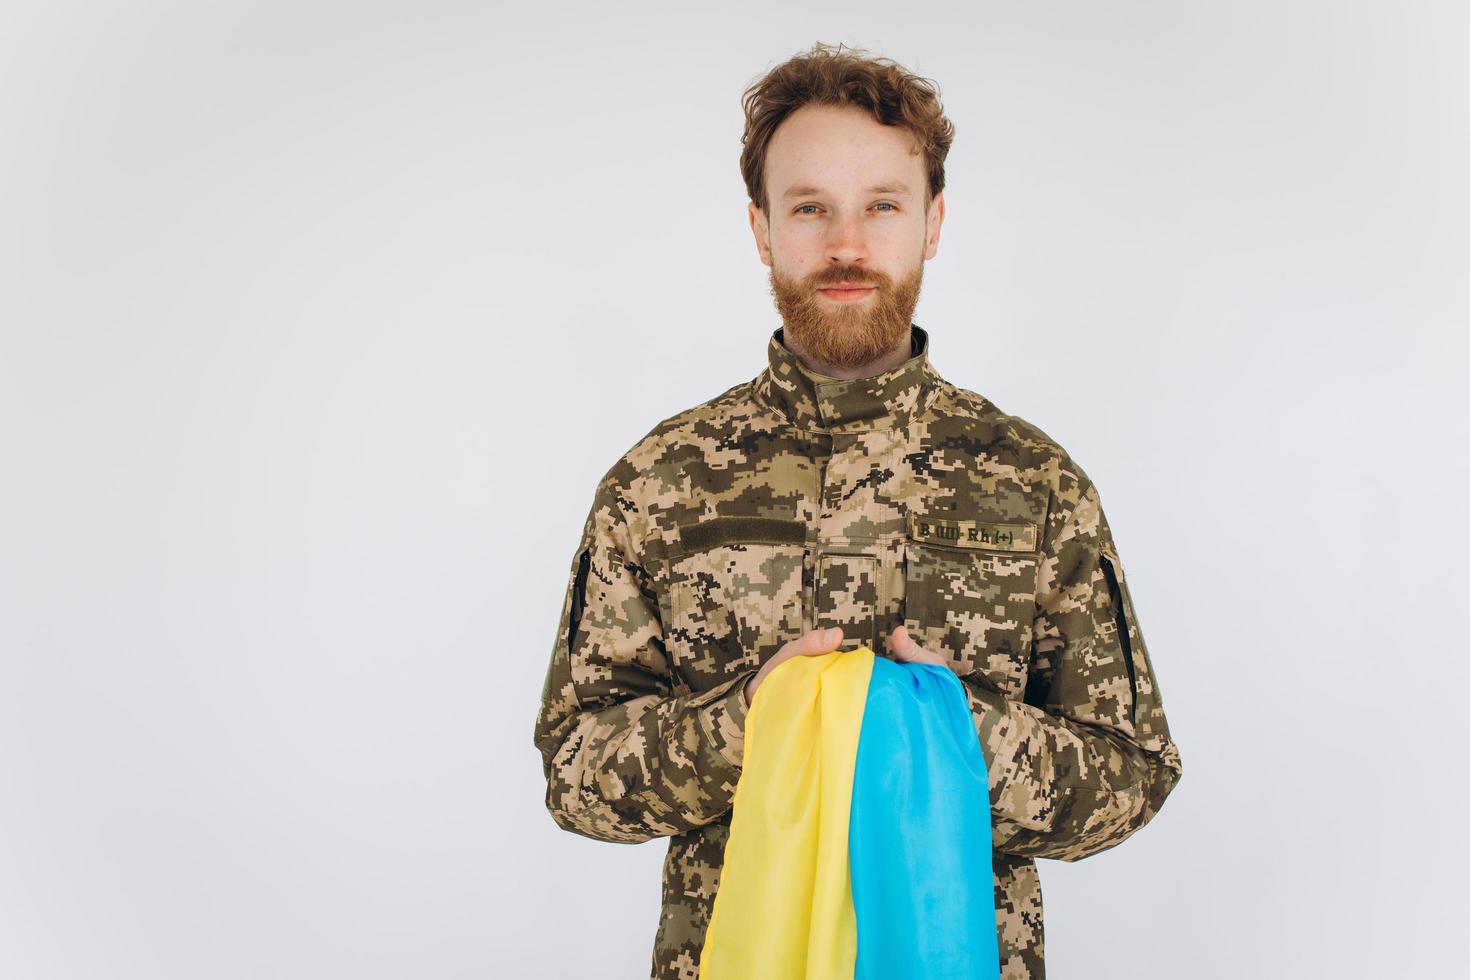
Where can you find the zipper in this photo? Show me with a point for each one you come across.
(1121, 618)
(579, 586)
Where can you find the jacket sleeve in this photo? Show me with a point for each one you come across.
(625, 758)
(1086, 758)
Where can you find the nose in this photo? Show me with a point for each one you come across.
(845, 240)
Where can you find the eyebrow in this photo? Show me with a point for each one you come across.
(891, 187)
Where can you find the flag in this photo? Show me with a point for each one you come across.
(860, 835)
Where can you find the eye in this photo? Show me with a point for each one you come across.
(801, 209)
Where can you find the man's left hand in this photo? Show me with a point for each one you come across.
(906, 650)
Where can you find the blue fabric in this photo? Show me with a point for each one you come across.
(919, 834)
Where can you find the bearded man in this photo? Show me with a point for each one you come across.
(848, 496)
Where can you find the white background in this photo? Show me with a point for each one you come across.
(321, 320)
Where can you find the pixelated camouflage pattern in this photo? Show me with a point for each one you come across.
(794, 501)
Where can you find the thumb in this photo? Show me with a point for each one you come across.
(907, 650)
(819, 641)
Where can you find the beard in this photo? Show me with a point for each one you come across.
(846, 335)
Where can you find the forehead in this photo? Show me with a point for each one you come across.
(832, 149)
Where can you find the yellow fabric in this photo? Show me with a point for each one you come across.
(788, 914)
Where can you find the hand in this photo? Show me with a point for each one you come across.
(906, 650)
(813, 644)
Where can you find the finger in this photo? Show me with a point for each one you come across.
(907, 650)
(809, 644)
(819, 641)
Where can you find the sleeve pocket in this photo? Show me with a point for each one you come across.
(1110, 566)
(579, 595)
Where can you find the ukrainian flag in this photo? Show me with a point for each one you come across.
(860, 836)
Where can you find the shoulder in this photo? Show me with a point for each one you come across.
(699, 428)
(1006, 441)
(649, 476)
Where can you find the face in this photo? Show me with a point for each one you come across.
(846, 202)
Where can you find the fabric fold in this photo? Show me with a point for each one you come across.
(920, 837)
(784, 907)
(860, 835)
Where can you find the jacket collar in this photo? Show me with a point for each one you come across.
(814, 401)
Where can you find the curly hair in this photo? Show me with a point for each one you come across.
(828, 76)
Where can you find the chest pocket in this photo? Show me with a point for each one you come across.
(970, 594)
(732, 596)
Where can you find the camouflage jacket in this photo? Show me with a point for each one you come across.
(795, 501)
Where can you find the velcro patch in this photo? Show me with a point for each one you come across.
(981, 535)
(715, 531)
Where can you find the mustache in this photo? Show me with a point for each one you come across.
(833, 277)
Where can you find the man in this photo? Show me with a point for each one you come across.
(846, 496)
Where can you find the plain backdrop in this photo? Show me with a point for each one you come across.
(320, 321)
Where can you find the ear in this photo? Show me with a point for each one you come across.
(762, 231)
(936, 219)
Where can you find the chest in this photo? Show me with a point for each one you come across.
(865, 531)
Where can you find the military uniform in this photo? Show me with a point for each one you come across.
(795, 501)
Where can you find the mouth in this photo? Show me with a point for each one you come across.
(847, 294)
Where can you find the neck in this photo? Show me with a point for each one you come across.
(810, 400)
(898, 355)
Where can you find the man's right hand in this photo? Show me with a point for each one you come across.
(813, 644)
